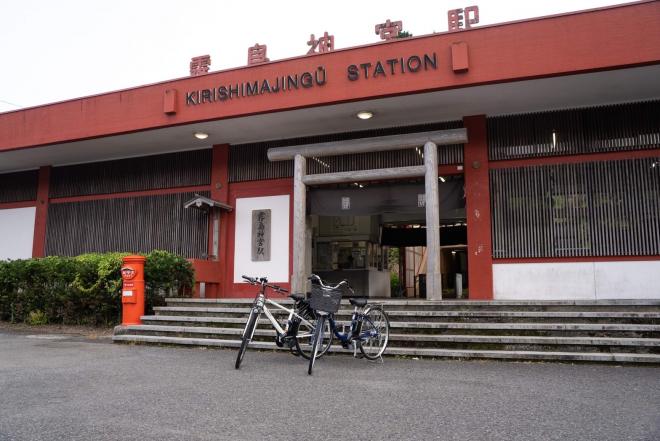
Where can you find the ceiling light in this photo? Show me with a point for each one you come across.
(365, 114)
(441, 179)
(201, 135)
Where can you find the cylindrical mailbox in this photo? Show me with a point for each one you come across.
(132, 293)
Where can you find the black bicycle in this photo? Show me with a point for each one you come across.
(369, 330)
(296, 332)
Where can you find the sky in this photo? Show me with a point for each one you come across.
(57, 50)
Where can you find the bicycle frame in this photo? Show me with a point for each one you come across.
(260, 305)
(355, 332)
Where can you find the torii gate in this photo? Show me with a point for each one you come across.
(430, 141)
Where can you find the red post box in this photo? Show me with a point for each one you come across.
(132, 293)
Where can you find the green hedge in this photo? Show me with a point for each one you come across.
(85, 289)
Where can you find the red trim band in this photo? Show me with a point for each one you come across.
(575, 159)
(21, 204)
(130, 194)
(577, 259)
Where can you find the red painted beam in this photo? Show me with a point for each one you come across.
(576, 159)
(577, 259)
(477, 209)
(130, 194)
(605, 39)
(448, 170)
(21, 204)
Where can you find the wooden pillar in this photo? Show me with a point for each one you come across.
(41, 215)
(433, 274)
(477, 209)
(298, 276)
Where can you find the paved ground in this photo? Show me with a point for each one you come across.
(64, 388)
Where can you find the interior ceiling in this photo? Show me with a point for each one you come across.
(597, 88)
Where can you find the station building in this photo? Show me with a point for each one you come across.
(513, 161)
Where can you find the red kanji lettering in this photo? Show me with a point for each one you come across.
(389, 29)
(200, 65)
(257, 54)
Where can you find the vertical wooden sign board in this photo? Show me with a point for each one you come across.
(261, 235)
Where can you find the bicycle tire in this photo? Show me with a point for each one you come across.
(247, 337)
(318, 335)
(304, 339)
(376, 323)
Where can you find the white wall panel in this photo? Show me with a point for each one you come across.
(577, 280)
(628, 280)
(16, 232)
(277, 269)
(543, 281)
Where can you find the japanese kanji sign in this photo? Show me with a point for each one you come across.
(326, 43)
(389, 29)
(257, 54)
(458, 19)
(261, 235)
(200, 65)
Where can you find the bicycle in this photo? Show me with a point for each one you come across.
(298, 329)
(369, 330)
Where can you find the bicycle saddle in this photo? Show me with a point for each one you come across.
(297, 296)
(358, 301)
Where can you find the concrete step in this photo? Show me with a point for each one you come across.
(464, 305)
(584, 344)
(639, 317)
(417, 352)
(434, 327)
(422, 340)
(621, 331)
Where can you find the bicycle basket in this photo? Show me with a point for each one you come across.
(325, 300)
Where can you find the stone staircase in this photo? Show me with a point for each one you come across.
(619, 331)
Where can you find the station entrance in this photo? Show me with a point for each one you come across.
(374, 235)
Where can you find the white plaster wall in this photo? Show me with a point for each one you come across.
(16, 232)
(277, 269)
(577, 280)
(627, 280)
(543, 281)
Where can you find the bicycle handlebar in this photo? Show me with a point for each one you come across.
(263, 281)
(323, 285)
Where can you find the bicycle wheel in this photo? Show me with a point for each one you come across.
(318, 337)
(247, 336)
(375, 333)
(305, 338)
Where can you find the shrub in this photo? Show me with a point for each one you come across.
(85, 289)
(167, 275)
(37, 318)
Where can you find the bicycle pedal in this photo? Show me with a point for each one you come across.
(278, 342)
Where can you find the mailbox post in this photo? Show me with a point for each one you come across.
(132, 293)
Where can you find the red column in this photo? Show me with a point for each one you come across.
(477, 209)
(41, 215)
(220, 192)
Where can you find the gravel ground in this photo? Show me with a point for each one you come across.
(70, 387)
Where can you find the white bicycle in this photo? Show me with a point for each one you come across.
(296, 333)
